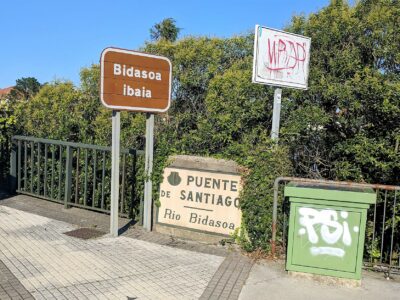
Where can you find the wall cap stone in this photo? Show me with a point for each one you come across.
(204, 163)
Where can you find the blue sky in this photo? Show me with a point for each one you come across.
(55, 39)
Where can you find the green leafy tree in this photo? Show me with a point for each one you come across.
(353, 101)
(7, 125)
(90, 102)
(25, 88)
(7, 120)
(166, 30)
(53, 113)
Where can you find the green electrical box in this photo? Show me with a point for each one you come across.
(327, 229)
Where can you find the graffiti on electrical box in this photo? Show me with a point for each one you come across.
(326, 226)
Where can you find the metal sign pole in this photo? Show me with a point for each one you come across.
(276, 114)
(148, 170)
(116, 129)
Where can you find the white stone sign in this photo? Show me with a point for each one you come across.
(281, 58)
(200, 200)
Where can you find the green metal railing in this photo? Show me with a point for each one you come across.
(4, 160)
(76, 174)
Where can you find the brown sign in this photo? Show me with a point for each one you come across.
(135, 81)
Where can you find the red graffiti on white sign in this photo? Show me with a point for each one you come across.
(281, 58)
(283, 53)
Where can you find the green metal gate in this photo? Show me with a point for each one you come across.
(76, 174)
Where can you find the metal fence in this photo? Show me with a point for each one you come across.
(76, 174)
(382, 240)
(4, 160)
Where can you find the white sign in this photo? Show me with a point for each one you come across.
(281, 58)
(200, 200)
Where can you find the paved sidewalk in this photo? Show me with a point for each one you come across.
(38, 260)
(10, 287)
(268, 280)
(226, 282)
(100, 221)
(52, 265)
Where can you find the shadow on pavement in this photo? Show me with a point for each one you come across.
(4, 194)
(126, 227)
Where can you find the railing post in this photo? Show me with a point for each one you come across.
(13, 168)
(19, 166)
(68, 176)
(133, 192)
(275, 215)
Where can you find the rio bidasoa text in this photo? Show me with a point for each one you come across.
(131, 72)
(196, 218)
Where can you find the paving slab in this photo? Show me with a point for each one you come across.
(56, 211)
(229, 279)
(268, 280)
(226, 282)
(100, 221)
(11, 287)
(52, 265)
